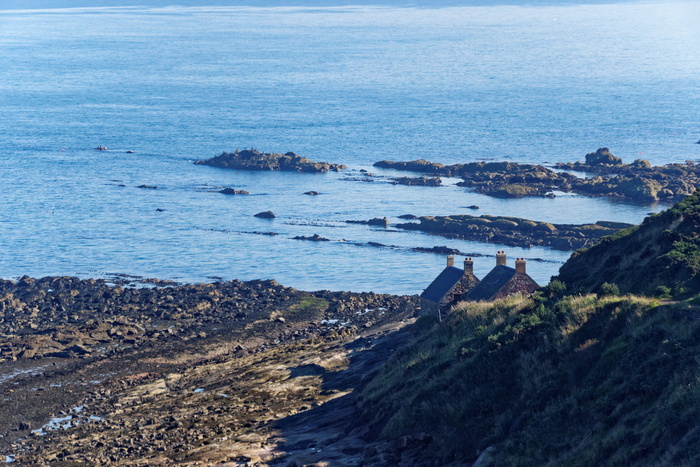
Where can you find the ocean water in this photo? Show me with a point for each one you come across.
(345, 84)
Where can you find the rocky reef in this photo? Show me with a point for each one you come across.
(88, 368)
(417, 181)
(514, 231)
(376, 221)
(497, 179)
(638, 181)
(252, 159)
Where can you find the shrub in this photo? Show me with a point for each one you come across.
(663, 292)
(556, 288)
(608, 289)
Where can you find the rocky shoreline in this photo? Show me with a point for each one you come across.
(638, 181)
(252, 159)
(513, 231)
(101, 374)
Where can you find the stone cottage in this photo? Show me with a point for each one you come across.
(448, 287)
(454, 285)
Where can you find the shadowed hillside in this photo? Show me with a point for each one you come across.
(575, 375)
(576, 381)
(661, 257)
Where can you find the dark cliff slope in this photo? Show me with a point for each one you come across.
(660, 257)
(562, 377)
(576, 381)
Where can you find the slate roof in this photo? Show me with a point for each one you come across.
(442, 284)
(491, 284)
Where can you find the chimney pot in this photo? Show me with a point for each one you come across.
(468, 266)
(520, 266)
(501, 258)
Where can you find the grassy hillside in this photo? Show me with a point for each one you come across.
(579, 380)
(660, 258)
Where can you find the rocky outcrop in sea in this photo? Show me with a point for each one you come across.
(638, 181)
(252, 159)
(514, 231)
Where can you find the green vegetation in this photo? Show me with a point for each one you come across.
(607, 289)
(661, 257)
(574, 380)
(309, 307)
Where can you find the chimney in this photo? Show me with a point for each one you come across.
(501, 258)
(468, 266)
(520, 266)
(450, 261)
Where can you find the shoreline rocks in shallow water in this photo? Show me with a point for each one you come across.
(377, 221)
(638, 181)
(497, 179)
(417, 181)
(252, 159)
(513, 231)
(232, 191)
(116, 364)
(313, 238)
(438, 250)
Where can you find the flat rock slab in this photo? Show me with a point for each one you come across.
(252, 159)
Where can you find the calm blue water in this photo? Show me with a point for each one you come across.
(348, 85)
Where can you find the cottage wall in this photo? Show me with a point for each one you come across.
(428, 307)
(465, 284)
(519, 283)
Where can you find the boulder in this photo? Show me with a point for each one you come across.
(266, 215)
(602, 157)
(641, 164)
(380, 222)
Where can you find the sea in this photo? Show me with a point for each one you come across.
(349, 84)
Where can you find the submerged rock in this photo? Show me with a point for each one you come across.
(377, 221)
(440, 250)
(232, 191)
(313, 238)
(266, 215)
(417, 181)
